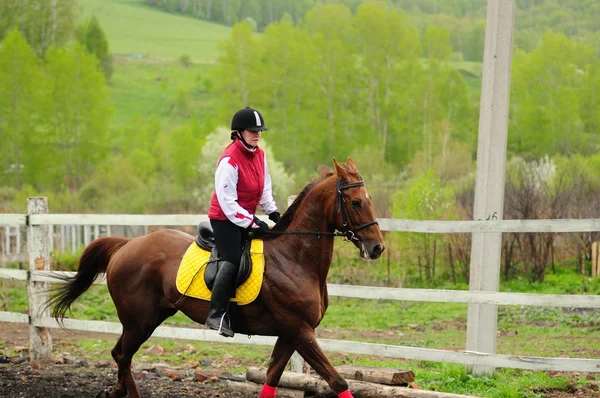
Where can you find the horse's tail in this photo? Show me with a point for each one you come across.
(93, 261)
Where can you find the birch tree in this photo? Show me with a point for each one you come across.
(20, 80)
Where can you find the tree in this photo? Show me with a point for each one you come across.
(20, 83)
(78, 114)
(590, 109)
(474, 41)
(537, 190)
(444, 99)
(44, 23)
(285, 78)
(334, 74)
(235, 80)
(422, 199)
(186, 145)
(436, 43)
(385, 41)
(546, 98)
(92, 36)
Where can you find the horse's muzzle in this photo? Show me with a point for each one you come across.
(377, 250)
(371, 250)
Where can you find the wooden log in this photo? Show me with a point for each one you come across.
(387, 376)
(253, 389)
(298, 381)
(360, 389)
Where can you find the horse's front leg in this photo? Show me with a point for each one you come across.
(280, 356)
(312, 353)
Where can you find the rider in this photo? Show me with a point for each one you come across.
(242, 182)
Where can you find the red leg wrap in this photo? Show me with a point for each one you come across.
(270, 392)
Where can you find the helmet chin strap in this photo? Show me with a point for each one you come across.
(243, 141)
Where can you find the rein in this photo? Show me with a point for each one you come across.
(347, 233)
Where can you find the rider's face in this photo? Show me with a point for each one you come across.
(251, 137)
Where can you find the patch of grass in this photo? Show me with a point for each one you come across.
(469, 69)
(164, 90)
(138, 30)
(66, 261)
(14, 296)
(566, 280)
(387, 314)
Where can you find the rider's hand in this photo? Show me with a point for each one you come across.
(275, 217)
(260, 225)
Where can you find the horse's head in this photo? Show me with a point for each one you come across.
(354, 214)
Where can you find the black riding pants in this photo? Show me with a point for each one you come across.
(229, 239)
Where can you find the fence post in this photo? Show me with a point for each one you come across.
(595, 260)
(298, 365)
(482, 320)
(38, 246)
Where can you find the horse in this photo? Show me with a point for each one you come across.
(141, 276)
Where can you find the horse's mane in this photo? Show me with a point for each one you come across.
(287, 217)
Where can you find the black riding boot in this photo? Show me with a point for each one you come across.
(218, 318)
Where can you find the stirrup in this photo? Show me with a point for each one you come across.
(224, 328)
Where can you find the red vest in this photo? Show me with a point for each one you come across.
(250, 167)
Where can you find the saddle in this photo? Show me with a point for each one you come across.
(206, 241)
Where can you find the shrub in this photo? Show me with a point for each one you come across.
(185, 60)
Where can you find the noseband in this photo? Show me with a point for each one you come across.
(348, 233)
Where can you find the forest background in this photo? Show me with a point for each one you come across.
(123, 107)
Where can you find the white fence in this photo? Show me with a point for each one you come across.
(37, 289)
(64, 238)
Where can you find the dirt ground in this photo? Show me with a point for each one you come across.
(69, 376)
(72, 376)
(73, 380)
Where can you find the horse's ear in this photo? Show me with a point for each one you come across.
(351, 163)
(339, 170)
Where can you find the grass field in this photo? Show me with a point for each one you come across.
(134, 29)
(162, 89)
(149, 81)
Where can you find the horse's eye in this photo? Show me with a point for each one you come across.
(355, 203)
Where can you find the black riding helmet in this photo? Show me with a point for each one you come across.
(248, 119)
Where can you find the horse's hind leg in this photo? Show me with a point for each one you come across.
(280, 356)
(133, 336)
(312, 353)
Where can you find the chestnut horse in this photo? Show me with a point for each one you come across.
(141, 272)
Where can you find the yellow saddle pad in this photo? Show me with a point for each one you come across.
(190, 276)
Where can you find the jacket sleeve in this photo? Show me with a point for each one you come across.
(226, 179)
(266, 201)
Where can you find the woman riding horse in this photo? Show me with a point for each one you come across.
(242, 182)
(141, 278)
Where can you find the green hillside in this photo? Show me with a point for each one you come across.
(164, 90)
(149, 82)
(134, 28)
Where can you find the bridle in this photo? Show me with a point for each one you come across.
(348, 233)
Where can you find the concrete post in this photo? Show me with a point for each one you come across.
(491, 163)
(38, 246)
(297, 363)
